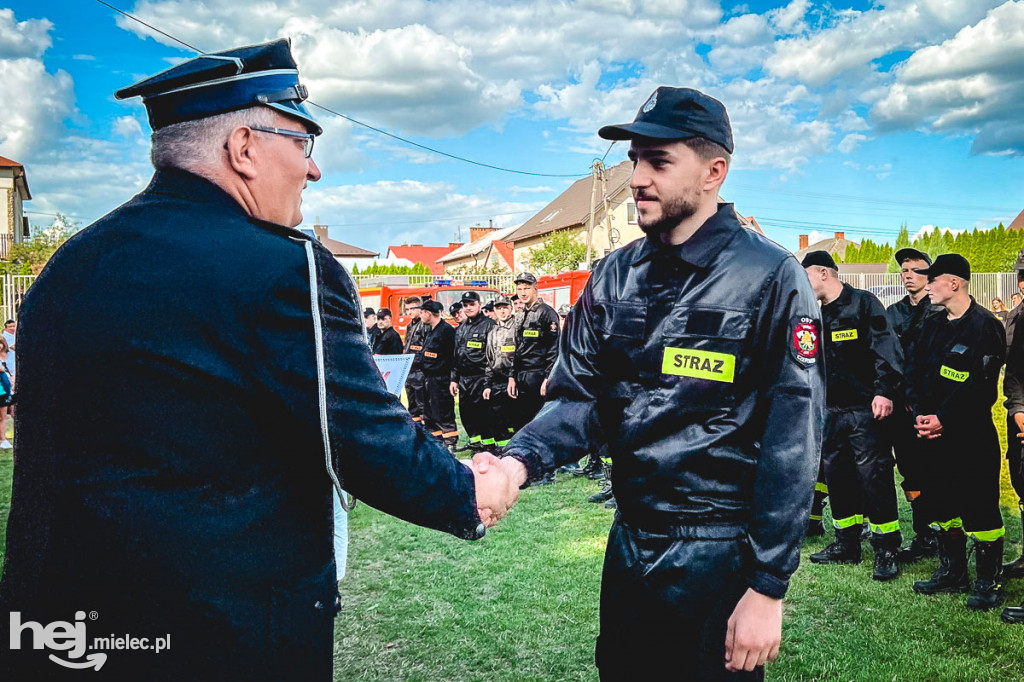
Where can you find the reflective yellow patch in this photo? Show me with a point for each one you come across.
(952, 374)
(474, 344)
(699, 364)
(533, 333)
(844, 335)
(508, 349)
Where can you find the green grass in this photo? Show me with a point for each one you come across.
(522, 604)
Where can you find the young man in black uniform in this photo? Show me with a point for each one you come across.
(438, 356)
(415, 333)
(906, 317)
(863, 362)
(501, 349)
(389, 341)
(1013, 389)
(372, 330)
(709, 392)
(468, 380)
(952, 380)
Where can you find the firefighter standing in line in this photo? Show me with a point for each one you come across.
(501, 349)
(1013, 389)
(863, 364)
(468, 380)
(389, 341)
(415, 333)
(906, 317)
(456, 312)
(952, 383)
(438, 356)
(536, 350)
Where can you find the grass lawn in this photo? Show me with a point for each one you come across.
(522, 604)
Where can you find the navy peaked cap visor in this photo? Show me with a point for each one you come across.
(676, 114)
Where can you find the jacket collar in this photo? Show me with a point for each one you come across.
(703, 246)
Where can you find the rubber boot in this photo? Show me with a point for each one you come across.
(606, 492)
(573, 468)
(951, 575)
(886, 546)
(924, 545)
(845, 549)
(988, 589)
(1015, 569)
(593, 464)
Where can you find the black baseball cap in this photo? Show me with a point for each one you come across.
(384, 312)
(525, 277)
(454, 308)
(470, 297)
(502, 300)
(820, 258)
(676, 114)
(489, 306)
(947, 264)
(432, 307)
(909, 253)
(369, 312)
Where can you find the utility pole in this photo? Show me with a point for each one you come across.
(597, 170)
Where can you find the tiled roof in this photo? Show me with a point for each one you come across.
(7, 163)
(428, 255)
(478, 246)
(1018, 222)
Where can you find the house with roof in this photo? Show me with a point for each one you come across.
(13, 193)
(427, 255)
(486, 250)
(1018, 222)
(835, 245)
(346, 254)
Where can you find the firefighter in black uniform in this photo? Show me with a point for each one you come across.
(1013, 389)
(863, 362)
(372, 330)
(906, 317)
(468, 380)
(389, 341)
(710, 394)
(415, 333)
(438, 356)
(952, 379)
(501, 350)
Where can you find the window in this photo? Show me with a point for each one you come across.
(631, 213)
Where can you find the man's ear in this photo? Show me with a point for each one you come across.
(715, 174)
(241, 149)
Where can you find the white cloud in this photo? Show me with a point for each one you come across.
(127, 126)
(928, 229)
(23, 38)
(851, 142)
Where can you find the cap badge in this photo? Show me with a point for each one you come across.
(651, 103)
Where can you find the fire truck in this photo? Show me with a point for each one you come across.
(390, 291)
(556, 290)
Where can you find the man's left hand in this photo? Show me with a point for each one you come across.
(881, 407)
(928, 426)
(544, 387)
(754, 632)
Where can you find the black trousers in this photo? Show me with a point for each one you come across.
(500, 417)
(529, 400)
(666, 599)
(859, 471)
(439, 408)
(414, 392)
(473, 408)
(1013, 459)
(964, 478)
(912, 461)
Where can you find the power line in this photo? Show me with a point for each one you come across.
(153, 28)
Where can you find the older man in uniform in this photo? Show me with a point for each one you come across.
(468, 371)
(415, 332)
(710, 394)
(389, 341)
(863, 362)
(1013, 389)
(222, 541)
(906, 317)
(952, 380)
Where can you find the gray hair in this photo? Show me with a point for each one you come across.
(195, 145)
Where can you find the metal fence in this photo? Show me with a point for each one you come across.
(984, 286)
(13, 291)
(499, 282)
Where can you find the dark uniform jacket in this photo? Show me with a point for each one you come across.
(501, 350)
(953, 368)
(1011, 322)
(388, 342)
(536, 338)
(438, 354)
(471, 347)
(415, 334)
(906, 319)
(863, 356)
(372, 334)
(1013, 379)
(699, 366)
(220, 534)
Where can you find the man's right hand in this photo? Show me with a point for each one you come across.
(511, 390)
(497, 486)
(1018, 419)
(487, 394)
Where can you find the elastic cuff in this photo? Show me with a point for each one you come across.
(768, 585)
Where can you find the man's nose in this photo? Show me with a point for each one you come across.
(313, 171)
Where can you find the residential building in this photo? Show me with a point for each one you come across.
(428, 255)
(836, 245)
(13, 193)
(346, 254)
(486, 250)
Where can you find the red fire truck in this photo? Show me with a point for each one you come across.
(556, 290)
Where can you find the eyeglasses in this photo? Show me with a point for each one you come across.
(307, 138)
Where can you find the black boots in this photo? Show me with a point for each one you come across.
(923, 546)
(606, 493)
(988, 590)
(951, 575)
(1013, 615)
(573, 468)
(1015, 569)
(886, 546)
(592, 466)
(845, 549)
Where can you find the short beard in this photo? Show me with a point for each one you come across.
(674, 213)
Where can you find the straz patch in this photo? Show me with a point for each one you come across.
(803, 341)
(532, 333)
(508, 349)
(474, 344)
(429, 354)
(953, 375)
(416, 348)
(844, 335)
(699, 364)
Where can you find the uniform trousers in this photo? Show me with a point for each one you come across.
(500, 417)
(964, 478)
(1014, 459)
(414, 392)
(473, 408)
(912, 461)
(666, 599)
(439, 408)
(529, 400)
(859, 471)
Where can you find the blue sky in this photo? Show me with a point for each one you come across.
(848, 116)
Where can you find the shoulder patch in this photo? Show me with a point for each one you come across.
(804, 340)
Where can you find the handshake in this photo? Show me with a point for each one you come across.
(497, 485)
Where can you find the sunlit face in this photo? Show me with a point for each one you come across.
(284, 172)
(942, 289)
(666, 183)
(471, 308)
(527, 293)
(1015, 300)
(914, 282)
(502, 312)
(519, 305)
(384, 322)
(371, 321)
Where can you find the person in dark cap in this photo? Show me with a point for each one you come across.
(536, 347)
(372, 330)
(952, 383)
(222, 540)
(456, 312)
(708, 393)
(1013, 389)
(517, 305)
(438, 358)
(501, 350)
(863, 370)
(389, 341)
(488, 310)
(906, 317)
(468, 379)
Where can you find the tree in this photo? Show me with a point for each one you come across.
(561, 252)
(29, 257)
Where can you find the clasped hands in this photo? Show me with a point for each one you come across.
(497, 485)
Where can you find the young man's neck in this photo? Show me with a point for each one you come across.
(957, 306)
(918, 297)
(833, 290)
(689, 226)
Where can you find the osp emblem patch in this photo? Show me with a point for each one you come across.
(804, 340)
(651, 103)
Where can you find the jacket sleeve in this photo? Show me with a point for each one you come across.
(567, 427)
(887, 351)
(1013, 381)
(378, 453)
(489, 353)
(791, 398)
(552, 321)
(454, 352)
(983, 377)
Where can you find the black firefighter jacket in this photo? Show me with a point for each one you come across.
(700, 366)
(471, 347)
(536, 339)
(150, 486)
